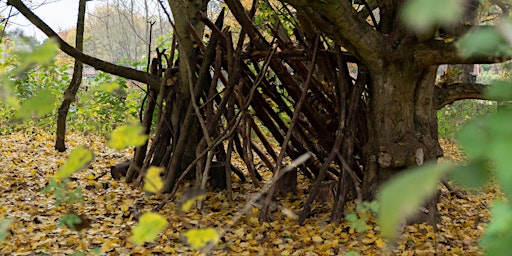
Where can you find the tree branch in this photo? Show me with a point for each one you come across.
(98, 64)
(447, 94)
(437, 52)
(339, 21)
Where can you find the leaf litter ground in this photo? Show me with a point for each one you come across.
(28, 161)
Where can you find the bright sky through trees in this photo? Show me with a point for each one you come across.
(58, 14)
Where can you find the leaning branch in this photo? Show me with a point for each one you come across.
(438, 52)
(98, 64)
(447, 94)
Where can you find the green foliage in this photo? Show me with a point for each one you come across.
(62, 193)
(497, 237)
(103, 103)
(38, 106)
(422, 15)
(484, 41)
(404, 193)
(107, 103)
(16, 71)
(70, 220)
(500, 90)
(359, 219)
(150, 224)
(452, 117)
(473, 175)
(490, 139)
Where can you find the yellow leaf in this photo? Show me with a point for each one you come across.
(199, 238)
(149, 226)
(124, 207)
(78, 159)
(317, 239)
(189, 198)
(153, 182)
(109, 87)
(380, 243)
(127, 136)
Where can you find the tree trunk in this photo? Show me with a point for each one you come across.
(188, 136)
(76, 80)
(402, 126)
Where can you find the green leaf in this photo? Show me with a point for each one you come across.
(78, 159)
(7, 95)
(70, 220)
(39, 105)
(147, 229)
(199, 238)
(422, 15)
(473, 175)
(43, 54)
(500, 147)
(474, 139)
(497, 237)
(483, 41)
(152, 181)
(499, 90)
(404, 193)
(127, 136)
(4, 228)
(501, 152)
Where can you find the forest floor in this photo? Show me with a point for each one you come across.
(28, 161)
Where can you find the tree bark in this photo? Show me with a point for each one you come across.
(188, 135)
(402, 126)
(76, 80)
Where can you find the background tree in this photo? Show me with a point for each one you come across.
(76, 80)
(118, 31)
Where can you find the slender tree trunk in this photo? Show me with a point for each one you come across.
(76, 80)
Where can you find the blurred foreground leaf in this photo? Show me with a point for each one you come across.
(404, 193)
(199, 238)
(78, 159)
(127, 136)
(486, 41)
(152, 181)
(150, 224)
(4, 228)
(422, 15)
(39, 105)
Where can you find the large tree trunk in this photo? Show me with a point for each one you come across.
(402, 126)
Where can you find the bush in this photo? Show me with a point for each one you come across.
(452, 117)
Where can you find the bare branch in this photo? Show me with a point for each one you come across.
(98, 64)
